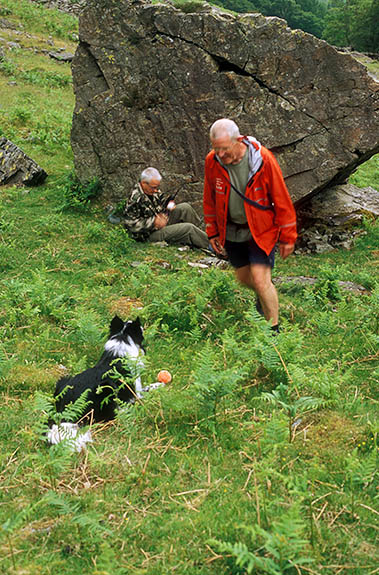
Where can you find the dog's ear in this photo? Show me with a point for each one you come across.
(136, 331)
(117, 325)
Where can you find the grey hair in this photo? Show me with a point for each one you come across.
(224, 127)
(150, 174)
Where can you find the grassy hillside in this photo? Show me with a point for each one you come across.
(261, 455)
(36, 97)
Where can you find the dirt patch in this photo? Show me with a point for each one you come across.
(125, 306)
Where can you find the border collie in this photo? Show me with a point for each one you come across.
(103, 393)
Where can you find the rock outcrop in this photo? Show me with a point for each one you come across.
(329, 220)
(68, 6)
(150, 79)
(16, 168)
(62, 56)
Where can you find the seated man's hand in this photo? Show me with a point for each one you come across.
(160, 221)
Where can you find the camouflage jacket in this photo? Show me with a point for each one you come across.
(140, 212)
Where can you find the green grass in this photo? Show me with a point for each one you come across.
(206, 476)
(188, 466)
(367, 175)
(35, 19)
(30, 80)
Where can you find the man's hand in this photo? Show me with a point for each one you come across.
(215, 243)
(286, 250)
(160, 221)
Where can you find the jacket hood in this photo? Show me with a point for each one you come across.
(255, 156)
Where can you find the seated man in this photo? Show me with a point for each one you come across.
(149, 215)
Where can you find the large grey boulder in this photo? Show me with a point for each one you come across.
(16, 168)
(330, 219)
(150, 80)
(342, 206)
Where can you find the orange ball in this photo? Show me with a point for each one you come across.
(164, 376)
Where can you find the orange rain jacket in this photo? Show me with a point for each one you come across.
(266, 187)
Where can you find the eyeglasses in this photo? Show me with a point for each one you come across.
(224, 149)
(153, 187)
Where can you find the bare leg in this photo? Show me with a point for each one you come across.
(258, 278)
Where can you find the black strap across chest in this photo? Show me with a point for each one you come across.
(251, 202)
(248, 200)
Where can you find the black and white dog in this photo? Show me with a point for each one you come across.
(103, 392)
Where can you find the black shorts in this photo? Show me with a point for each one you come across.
(242, 254)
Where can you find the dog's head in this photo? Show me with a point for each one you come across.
(124, 330)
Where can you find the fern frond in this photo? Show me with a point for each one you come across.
(17, 519)
(245, 558)
(74, 411)
(44, 404)
(63, 505)
(92, 523)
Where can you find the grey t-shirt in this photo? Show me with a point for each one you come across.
(239, 176)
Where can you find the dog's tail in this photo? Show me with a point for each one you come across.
(70, 433)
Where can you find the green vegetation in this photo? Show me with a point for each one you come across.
(368, 175)
(33, 18)
(189, 5)
(74, 194)
(353, 23)
(30, 81)
(257, 437)
(340, 22)
(260, 456)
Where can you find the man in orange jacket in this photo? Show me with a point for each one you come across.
(247, 210)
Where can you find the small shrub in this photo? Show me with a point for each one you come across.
(327, 290)
(40, 77)
(75, 195)
(8, 67)
(189, 6)
(47, 136)
(21, 114)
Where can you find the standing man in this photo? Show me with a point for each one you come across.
(150, 216)
(247, 209)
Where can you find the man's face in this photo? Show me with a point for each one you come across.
(150, 187)
(228, 150)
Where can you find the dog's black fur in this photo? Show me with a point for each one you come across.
(125, 339)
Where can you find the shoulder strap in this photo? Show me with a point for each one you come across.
(251, 202)
(246, 199)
